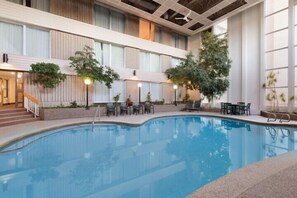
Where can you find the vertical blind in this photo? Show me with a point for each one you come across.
(37, 43)
(11, 38)
(150, 62)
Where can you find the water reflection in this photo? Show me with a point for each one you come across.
(169, 157)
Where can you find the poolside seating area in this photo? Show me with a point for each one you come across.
(193, 106)
(124, 109)
(240, 108)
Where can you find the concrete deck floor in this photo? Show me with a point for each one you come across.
(273, 177)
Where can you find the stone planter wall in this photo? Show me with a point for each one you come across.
(278, 115)
(66, 113)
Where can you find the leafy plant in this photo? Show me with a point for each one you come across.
(86, 66)
(148, 97)
(47, 74)
(116, 99)
(208, 74)
(73, 104)
(273, 96)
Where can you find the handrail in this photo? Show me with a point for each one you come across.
(31, 104)
(283, 115)
(269, 117)
(97, 110)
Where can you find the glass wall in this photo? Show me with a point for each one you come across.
(11, 38)
(109, 55)
(276, 47)
(37, 43)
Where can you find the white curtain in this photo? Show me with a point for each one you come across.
(11, 38)
(117, 54)
(43, 5)
(102, 17)
(156, 91)
(117, 22)
(101, 92)
(182, 42)
(144, 90)
(155, 63)
(37, 43)
(144, 61)
(175, 62)
(118, 87)
(98, 49)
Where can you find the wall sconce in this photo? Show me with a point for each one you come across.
(5, 58)
(134, 72)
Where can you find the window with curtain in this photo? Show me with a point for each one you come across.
(221, 28)
(155, 90)
(117, 56)
(37, 43)
(103, 94)
(43, 5)
(102, 52)
(179, 41)
(11, 38)
(109, 19)
(175, 61)
(16, 1)
(150, 62)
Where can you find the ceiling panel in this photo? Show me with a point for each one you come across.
(185, 16)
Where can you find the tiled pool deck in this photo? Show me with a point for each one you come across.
(273, 177)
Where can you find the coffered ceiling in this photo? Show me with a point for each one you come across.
(184, 16)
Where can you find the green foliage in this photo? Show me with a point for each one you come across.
(148, 97)
(47, 74)
(208, 74)
(213, 58)
(86, 66)
(272, 95)
(73, 104)
(116, 98)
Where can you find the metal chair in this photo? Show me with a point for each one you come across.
(149, 107)
(247, 109)
(123, 108)
(223, 108)
(110, 108)
(137, 108)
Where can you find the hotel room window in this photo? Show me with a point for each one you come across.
(109, 19)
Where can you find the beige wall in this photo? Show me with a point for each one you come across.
(64, 45)
(81, 10)
(72, 89)
(194, 44)
(132, 25)
(166, 37)
(132, 90)
(132, 58)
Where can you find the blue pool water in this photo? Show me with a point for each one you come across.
(168, 157)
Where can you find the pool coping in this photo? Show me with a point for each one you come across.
(234, 184)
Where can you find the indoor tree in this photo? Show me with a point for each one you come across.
(214, 60)
(86, 66)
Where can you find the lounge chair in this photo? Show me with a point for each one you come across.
(196, 107)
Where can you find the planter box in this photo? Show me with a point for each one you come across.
(278, 115)
(66, 113)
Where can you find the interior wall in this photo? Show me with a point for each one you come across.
(132, 25)
(194, 44)
(64, 45)
(81, 10)
(244, 34)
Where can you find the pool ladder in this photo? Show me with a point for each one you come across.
(97, 112)
(285, 117)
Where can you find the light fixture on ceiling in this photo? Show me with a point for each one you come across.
(185, 17)
(5, 58)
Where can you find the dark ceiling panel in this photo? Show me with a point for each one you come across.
(196, 26)
(145, 5)
(227, 9)
(171, 15)
(199, 6)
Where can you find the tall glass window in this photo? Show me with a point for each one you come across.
(102, 94)
(179, 41)
(276, 45)
(109, 19)
(155, 90)
(109, 55)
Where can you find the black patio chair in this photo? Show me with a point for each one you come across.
(247, 109)
(124, 108)
(197, 106)
(223, 108)
(149, 107)
(110, 109)
(137, 108)
(189, 105)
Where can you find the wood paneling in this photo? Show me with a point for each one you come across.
(64, 45)
(81, 10)
(72, 89)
